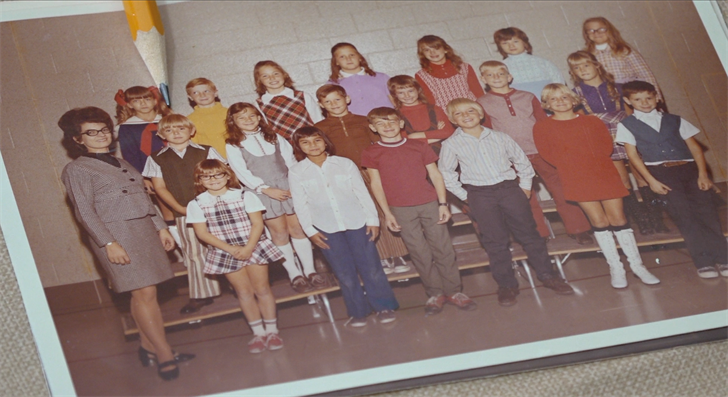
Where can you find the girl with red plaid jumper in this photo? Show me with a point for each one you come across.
(260, 159)
(285, 108)
(231, 222)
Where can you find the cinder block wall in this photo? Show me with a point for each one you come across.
(54, 64)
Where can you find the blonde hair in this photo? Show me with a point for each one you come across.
(457, 103)
(436, 42)
(493, 65)
(606, 77)
(617, 44)
(174, 120)
(552, 88)
(259, 87)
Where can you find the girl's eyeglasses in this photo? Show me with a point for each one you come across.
(207, 177)
(105, 130)
(600, 30)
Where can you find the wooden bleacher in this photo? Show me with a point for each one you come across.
(469, 255)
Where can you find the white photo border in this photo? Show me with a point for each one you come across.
(54, 362)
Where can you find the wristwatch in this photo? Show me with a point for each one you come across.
(445, 204)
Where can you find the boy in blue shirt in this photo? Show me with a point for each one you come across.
(663, 149)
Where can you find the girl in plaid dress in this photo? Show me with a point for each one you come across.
(625, 63)
(230, 221)
(285, 108)
(602, 96)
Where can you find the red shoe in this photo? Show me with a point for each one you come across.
(257, 344)
(273, 342)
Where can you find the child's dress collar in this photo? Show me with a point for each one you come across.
(207, 199)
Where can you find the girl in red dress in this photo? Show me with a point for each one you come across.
(580, 148)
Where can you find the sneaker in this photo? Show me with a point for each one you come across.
(273, 342)
(558, 285)
(723, 269)
(317, 281)
(434, 305)
(356, 322)
(387, 266)
(386, 316)
(402, 266)
(300, 285)
(707, 272)
(461, 301)
(507, 295)
(257, 344)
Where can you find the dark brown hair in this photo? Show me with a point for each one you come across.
(124, 112)
(71, 121)
(335, 69)
(637, 86)
(306, 132)
(509, 33)
(235, 135)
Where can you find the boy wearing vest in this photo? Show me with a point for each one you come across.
(663, 149)
(171, 170)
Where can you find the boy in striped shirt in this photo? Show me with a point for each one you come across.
(490, 161)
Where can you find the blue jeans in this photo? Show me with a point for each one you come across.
(352, 255)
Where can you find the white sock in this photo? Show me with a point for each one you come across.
(304, 250)
(257, 327)
(271, 326)
(289, 262)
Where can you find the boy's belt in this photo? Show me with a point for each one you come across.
(673, 163)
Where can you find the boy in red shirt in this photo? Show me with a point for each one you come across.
(399, 168)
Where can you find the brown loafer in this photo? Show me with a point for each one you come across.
(582, 238)
(434, 305)
(558, 285)
(300, 285)
(195, 305)
(507, 295)
(317, 281)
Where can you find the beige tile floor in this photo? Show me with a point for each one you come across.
(102, 362)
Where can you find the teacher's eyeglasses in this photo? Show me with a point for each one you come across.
(96, 132)
(207, 177)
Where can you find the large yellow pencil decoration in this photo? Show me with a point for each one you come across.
(147, 32)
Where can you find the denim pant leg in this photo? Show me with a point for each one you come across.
(342, 261)
(494, 234)
(366, 259)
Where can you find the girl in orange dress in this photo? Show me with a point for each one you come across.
(580, 148)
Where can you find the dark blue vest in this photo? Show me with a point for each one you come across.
(654, 146)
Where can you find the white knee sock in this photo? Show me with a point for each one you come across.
(289, 262)
(609, 250)
(629, 246)
(305, 254)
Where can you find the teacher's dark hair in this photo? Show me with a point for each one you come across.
(71, 121)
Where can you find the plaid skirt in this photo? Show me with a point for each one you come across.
(611, 120)
(228, 221)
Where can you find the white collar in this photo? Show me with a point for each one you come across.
(642, 115)
(230, 196)
(137, 120)
(601, 47)
(194, 145)
(345, 75)
(286, 92)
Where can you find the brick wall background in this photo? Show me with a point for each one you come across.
(54, 64)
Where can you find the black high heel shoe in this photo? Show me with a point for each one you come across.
(171, 374)
(148, 358)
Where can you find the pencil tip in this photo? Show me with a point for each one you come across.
(165, 93)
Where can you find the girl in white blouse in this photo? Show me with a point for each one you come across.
(260, 159)
(337, 213)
